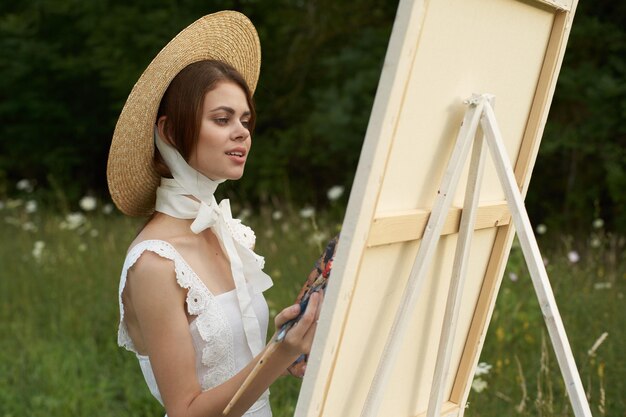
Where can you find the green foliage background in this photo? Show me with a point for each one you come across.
(68, 66)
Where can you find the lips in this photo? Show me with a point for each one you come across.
(237, 155)
(238, 152)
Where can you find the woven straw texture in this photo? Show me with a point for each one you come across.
(226, 36)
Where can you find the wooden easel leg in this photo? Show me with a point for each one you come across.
(424, 256)
(535, 265)
(466, 231)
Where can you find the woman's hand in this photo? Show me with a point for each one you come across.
(300, 337)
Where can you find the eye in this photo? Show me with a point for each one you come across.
(246, 124)
(222, 121)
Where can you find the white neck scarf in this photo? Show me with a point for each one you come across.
(173, 198)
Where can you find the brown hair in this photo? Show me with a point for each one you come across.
(183, 101)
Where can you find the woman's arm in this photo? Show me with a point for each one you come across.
(159, 304)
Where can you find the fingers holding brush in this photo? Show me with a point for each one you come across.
(300, 337)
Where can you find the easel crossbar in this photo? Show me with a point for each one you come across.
(410, 225)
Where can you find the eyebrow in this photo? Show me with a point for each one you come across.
(229, 110)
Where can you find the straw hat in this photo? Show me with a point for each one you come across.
(226, 36)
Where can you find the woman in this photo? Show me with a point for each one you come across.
(191, 302)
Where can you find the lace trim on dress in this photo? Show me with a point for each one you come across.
(211, 322)
(245, 236)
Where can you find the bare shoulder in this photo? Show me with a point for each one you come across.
(151, 269)
(151, 264)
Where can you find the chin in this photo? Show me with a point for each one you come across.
(235, 176)
(221, 176)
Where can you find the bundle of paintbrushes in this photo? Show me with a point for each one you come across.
(316, 281)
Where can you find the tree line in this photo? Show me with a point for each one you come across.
(68, 65)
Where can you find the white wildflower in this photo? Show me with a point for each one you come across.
(307, 212)
(317, 238)
(285, 227)
(595, 242)
(277, 215)
(82, 247)
(602, 286)
(94, 233)
(31, 206)
(13, 221)
(573, 256)
(11, 204)
(38, 249)
(335, 192)
(107, 208)
(541, 229)
(598, 223)
(88, 203)
(24, 185)
(73, 221)
(245, 213)
(269, 233)
(478, 385)
(483, 368)
(29, 227)
(513, 277)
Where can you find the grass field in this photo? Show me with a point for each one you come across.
(58, 316)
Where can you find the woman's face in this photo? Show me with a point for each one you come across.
(224, 140)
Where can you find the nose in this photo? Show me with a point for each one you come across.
(240, 132)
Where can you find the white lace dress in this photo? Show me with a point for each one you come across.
(217, 330)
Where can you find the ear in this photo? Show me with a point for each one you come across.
(162, 128)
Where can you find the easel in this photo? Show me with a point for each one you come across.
(481, 112)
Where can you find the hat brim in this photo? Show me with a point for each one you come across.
(227, 36)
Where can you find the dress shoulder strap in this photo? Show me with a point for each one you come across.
(197, 294)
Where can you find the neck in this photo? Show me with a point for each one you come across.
(194, 183)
